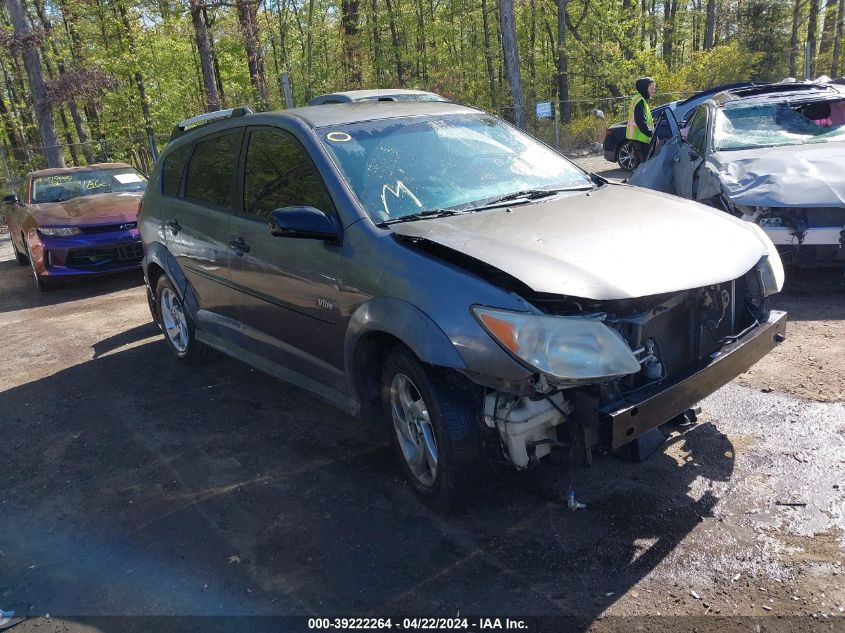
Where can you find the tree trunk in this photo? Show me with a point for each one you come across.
(563, 63)
(710, 28)
(511, 55)
(217, 78)
(837, 42)
(394, 38)
(421, 40)
(89, 108)
(139, 79)
(248, 21)
(71, 102)
(378, 71)
(349, 20)
(828, 29)
(488, 56)
(309, 46)
(670, 8)
(812, 28)
(628, 20)
(32, 62)
(15, 138)
(793, 41)
(212, 99)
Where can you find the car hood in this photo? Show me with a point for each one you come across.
(616, 242)
(809, 175)
(103, 208)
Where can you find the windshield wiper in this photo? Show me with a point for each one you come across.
(422, 215)
(528, 195)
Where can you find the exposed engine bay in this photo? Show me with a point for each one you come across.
(671, 335)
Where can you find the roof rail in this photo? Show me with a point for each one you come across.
(209, 117)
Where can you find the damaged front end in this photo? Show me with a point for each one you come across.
(804, 236)
(607, 372)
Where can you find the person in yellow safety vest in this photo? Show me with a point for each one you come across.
(640, 123)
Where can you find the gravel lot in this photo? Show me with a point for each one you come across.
(135, 486)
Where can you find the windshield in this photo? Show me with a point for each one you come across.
(61, 187)
(774, 124)
(402, 167)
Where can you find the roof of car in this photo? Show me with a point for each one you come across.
(55, 171)
(343, 113)
(768, 92)
(357, 95)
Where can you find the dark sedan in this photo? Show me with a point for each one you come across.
(617, 149)
(77, 221)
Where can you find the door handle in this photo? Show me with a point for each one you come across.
(174, 226)
(239, 246)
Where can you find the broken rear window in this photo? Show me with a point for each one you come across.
(775, 124)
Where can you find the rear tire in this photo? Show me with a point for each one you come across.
(435, 430)
(626, 156)
(179, 330)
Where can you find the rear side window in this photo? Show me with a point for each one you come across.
(171, 171)
(280, 174)
(212, 168)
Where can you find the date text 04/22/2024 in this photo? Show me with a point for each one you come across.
(428, 624)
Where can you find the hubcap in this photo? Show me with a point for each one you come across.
(413, 429)
(627, 156)
(174, 321)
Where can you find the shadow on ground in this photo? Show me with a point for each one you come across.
(219, 491)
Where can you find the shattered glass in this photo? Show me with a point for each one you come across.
(769, 125)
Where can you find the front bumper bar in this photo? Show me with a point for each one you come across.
(633, 416)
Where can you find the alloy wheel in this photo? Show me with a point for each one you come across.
(628, 158)
(174, 321)
(412, 425)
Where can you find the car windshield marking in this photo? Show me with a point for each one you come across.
(526, 195)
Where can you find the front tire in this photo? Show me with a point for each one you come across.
(435, 429)
(179, 330)
(40, 283)
(21, 258)
(627, 157)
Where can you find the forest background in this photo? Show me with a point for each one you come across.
(110, 78)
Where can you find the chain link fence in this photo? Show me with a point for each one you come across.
(589, 119)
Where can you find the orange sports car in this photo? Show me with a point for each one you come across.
(77, 221)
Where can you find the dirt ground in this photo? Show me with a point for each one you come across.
(135, 486)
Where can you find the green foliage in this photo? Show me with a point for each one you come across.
(439, 43)
(722, 64)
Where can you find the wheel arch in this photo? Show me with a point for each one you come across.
(159, 261)
(375, 329)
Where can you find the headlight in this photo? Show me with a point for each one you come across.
(573, 349)
(128, 226)
(770, 265)
(63, 231)
(771, 273)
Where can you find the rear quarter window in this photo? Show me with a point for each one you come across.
(172, 170)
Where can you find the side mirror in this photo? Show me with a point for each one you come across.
(12, 198)
(303, 222)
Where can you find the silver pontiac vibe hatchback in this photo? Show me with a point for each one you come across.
(431, 264)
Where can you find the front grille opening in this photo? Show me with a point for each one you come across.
(103, 258)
